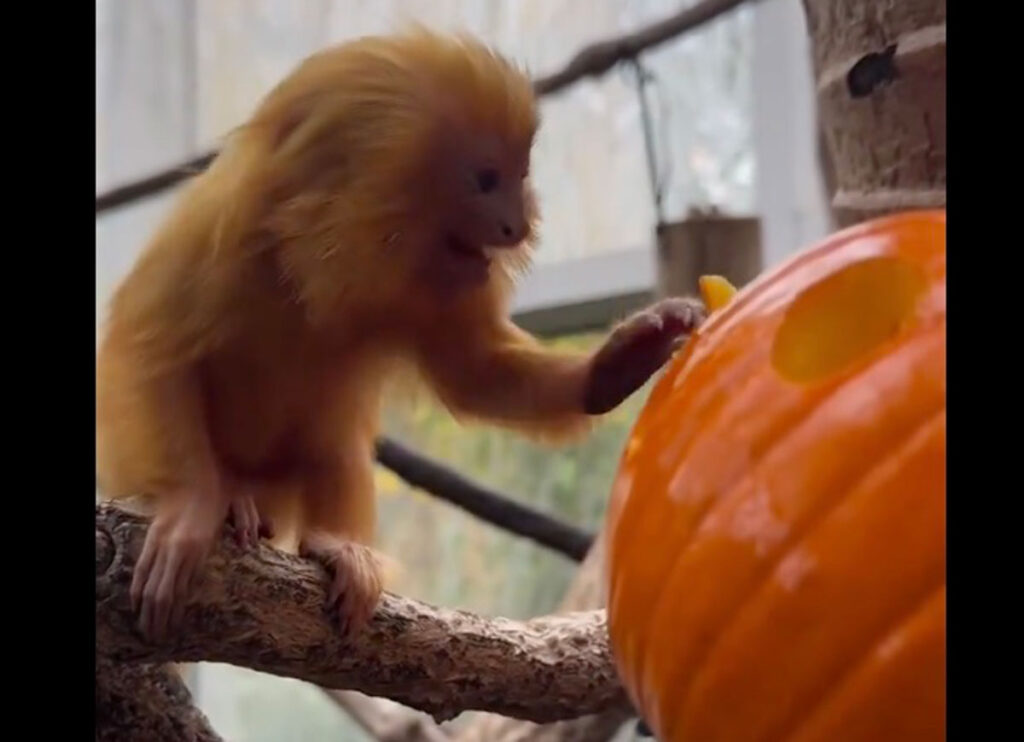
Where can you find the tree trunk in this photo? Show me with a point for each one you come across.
(707, 243)
(881, 82)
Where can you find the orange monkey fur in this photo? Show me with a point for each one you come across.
(371, 216)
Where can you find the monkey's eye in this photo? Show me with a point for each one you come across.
(487, 179)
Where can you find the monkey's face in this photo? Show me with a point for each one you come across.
(487, 209)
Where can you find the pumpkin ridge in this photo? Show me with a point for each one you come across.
(823, 694)
(818, 514)
(776, 533)
(803, 722)
(750, 299)
(917, 439)
(779, 436)
(857, 658)
(638, 514)
(707, 409)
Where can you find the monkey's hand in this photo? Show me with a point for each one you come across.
(177, 542)
(636, 349)
(356, 578)
(243, 515)
(249, 525)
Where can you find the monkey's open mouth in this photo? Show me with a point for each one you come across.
(466, 251)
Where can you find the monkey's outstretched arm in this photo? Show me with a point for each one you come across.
(500, 373)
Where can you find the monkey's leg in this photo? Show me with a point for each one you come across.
(636, 349)
(182, 533)
(338, 528)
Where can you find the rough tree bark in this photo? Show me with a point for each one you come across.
(881, 80)
(585, 593)
(264, 610)
(389, 724)
(146, 703)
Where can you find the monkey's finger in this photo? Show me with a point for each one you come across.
(149, 595)
(682, 315)
(242, 524)
(165, 593)
(182, 589)
(266, 528)
(640, 328)
(240, 520)
(349, 603)
(348, 610)
(312, 548)
(360, 614)
(336, 589)
(356, 608)
(253, 526)
(143, 565)
(238, 507)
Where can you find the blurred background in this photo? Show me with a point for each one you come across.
(731, 126)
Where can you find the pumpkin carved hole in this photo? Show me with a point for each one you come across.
(844, 317)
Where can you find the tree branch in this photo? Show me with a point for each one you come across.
(153, 184)
(263, 609)
(484, 503)
(591, 61)
(585, 593)
(598, 58)
(146, 703)
(386, 721)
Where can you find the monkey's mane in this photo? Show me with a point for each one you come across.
(324, 166)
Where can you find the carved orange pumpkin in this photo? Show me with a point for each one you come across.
(776, 533)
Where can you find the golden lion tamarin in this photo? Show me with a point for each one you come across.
(371, 215)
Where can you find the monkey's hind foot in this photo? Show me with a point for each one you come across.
(355, 587)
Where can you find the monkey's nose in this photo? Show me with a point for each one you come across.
(513, 235)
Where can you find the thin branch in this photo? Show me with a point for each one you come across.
(152, 184)
(385, 724)
(591, 61)
(585, 593)
(264, 610)
(405, 725)
(484, 503)
(596, 59)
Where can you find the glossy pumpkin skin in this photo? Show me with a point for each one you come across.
(776, 532)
